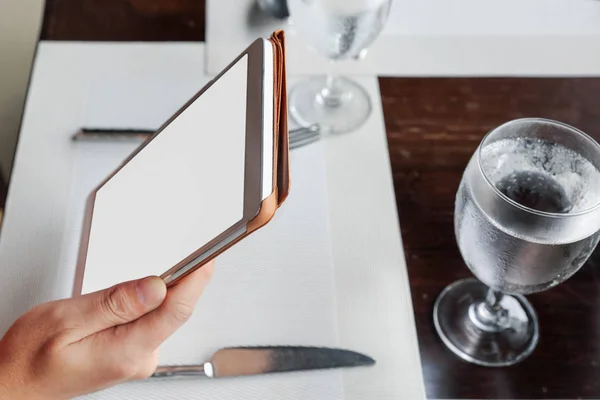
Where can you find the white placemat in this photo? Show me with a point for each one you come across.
(369, 286)
(439, 37)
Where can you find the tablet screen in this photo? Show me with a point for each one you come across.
(183, 189)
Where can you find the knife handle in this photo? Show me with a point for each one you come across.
(180, 370)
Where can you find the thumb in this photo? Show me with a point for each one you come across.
(117, 305)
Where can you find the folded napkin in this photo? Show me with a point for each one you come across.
(275, 287)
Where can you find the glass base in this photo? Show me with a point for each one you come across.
(454, 316)
(346, 113)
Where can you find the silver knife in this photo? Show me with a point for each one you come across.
(102, 134)
(241, 361)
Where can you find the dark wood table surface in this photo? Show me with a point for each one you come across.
(433, 127)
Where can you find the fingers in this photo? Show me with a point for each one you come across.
(114, 306)
(152, 329)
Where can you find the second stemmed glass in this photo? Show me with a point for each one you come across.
(338, 29)
(527, 217)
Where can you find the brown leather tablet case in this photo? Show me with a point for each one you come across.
(281, 123)
(268, 206)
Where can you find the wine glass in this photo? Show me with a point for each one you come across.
(338, 29)
(526, 218)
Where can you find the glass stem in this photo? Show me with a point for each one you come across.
(489, 315)
(331, 96)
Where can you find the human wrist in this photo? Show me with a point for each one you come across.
(7, 384)
(12, 384)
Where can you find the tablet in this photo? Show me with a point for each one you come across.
(212, 174)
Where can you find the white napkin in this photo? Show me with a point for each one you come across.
(275, 287)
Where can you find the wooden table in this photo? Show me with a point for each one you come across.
(433, 127)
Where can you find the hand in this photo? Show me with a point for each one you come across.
(71, 347)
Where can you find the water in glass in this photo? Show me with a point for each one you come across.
(527, 217)
(339, 29)
(539, 175)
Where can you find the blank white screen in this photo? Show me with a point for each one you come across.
(181, 191)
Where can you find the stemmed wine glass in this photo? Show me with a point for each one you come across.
(338, 29)
(526, 218)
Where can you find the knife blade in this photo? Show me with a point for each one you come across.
(242, 361)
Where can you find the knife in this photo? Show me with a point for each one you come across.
(241, 361)
(120, 134)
